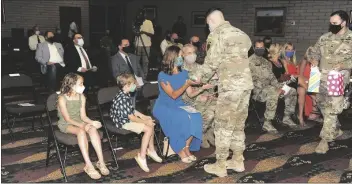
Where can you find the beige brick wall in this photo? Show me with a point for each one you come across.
(45, 13)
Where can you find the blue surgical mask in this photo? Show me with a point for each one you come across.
(289, 54)
(179, 61)
(133, 88)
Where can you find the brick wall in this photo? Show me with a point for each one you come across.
(311, 16)
(45, 13)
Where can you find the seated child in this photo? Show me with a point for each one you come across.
(73, 120)
(126, 117)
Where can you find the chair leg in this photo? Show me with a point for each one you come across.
(33, 119)
(10, 129)
(65, 156)
(60, 161)
(112, 151)
(42, 121)
(48, 153)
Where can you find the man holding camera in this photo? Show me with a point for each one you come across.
(144, 40)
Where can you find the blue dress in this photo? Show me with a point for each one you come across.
(177, 123)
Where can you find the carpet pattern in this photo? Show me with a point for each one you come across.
(287, 157)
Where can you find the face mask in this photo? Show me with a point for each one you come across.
(133, 88)
(79, 89)
(267, 45)
(334, 29)
(126, 49)
(37, 32)
(179, 61)
(289, 54)
(259, 51)
(80, 42)
(50, 39)
(211, 27)
(190, 59)
(196, 44)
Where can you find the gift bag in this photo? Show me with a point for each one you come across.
(167, 148)
(335, 83)
(314, 80)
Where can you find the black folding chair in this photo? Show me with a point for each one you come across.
(104, 101)
(56, 138)
(19, 99)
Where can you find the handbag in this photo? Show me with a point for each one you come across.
(335, 83)
(167, 150)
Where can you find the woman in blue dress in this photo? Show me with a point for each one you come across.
(184, 128)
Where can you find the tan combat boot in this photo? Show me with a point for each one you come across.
(218, 168)
(323, 147)
(289, 122)
(236, 163)
(267, 126)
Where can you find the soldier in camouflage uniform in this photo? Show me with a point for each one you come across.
(227, 56)
(202, 99)
(268, 89)
(107, 44)
(335, 52)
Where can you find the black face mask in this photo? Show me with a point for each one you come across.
(259, 51)
(196, 44)
(334, 29)
(267, 44)
(50, 39)
(127, 49)
(177, 41)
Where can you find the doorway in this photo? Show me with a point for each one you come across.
(68, 15)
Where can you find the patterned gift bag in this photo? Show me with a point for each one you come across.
(335, 83)
(314, 80)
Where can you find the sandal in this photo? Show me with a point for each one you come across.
(192, 157)
(103, 169)
(92, 173)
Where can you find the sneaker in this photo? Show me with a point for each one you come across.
(154, 156)
(142, 163)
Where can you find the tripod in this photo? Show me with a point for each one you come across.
(139, 38)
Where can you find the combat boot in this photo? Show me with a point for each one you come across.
(205, 143)
(323, 147)
(218, 168)
(267, 126)
(236, 163)
(289, 122)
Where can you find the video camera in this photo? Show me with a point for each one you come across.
(138, 21)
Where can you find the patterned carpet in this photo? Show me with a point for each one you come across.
(288, 157)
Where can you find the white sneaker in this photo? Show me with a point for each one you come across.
(154, 156)
(142, 163)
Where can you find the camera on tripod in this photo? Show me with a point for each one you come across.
(140, 18)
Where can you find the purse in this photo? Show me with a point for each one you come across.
(167, 150)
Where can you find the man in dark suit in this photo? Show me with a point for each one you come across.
(125, 62)
(77, 61)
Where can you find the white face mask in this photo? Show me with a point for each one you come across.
(37, 32)
(190, 59)
(79, 89)
(80, 42)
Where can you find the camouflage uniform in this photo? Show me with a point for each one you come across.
(205, 107)
(332, 50)
(266, 89)
(227, 55)
(107, 44)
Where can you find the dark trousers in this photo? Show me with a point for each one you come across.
(54, 74)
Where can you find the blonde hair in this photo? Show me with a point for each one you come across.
(311, 54)
(283, 52)
(68, 82)
(185, 47)
(125, 79)
(274, 50)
